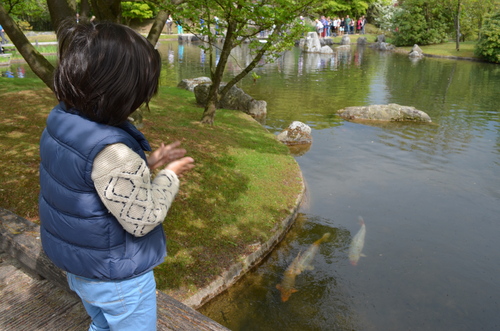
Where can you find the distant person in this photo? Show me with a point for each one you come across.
(359, 25)
(2, 35)
(347, 24)
(101, 210)
(341, 26)
(319, 28)
(216, 20)
(169, 23)
(363, 23)
(325, 24)
(335, 26)
(77, 18)
(179, 27)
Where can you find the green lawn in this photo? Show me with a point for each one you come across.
(244, 183)
(448, 49)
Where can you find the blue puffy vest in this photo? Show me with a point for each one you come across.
(78, 233)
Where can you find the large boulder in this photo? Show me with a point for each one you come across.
(235, 99)
(326, 42)
(391, 112)
(416, 52)
(296, 134)
(362, 41)
(312, 44)
(345, 40)
(190, 83)
(383, 46)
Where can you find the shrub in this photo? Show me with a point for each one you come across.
(488, 46)
(24, 26)
(419, 23)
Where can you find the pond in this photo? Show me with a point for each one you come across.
(429, 194)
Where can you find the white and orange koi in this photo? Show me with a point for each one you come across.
(300, 263)
(357, 243)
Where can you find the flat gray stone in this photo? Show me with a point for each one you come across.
(391, 112)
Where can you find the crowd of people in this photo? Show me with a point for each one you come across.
(328, 27)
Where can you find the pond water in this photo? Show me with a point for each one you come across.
(429, 193)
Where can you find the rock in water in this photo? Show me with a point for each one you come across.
(391, 112)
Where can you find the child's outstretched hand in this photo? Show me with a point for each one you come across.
(165, 155)
(181, 165)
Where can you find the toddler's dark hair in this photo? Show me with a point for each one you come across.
(105, 71)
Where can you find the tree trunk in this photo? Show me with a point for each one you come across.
(60, 9)
(85, 8)
(457, 25)
(159, 23)
(107, 10)
(209, 113)
(213, 94)
(37, 62)
(157, 27)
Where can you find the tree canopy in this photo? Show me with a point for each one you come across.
(226, 24)
(427, 22)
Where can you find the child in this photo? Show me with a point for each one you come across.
(101, 214)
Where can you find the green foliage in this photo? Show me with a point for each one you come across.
(469, 25)
(421, 22)
(382, 12)
(138, 10)
(25, 26)
(354, 8)
(28, 14)
(488, 46)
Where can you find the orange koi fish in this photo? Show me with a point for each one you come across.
(300, 263)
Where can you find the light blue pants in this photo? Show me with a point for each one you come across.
(124, 305)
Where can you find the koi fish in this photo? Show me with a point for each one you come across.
(300, 263)
(357, 243)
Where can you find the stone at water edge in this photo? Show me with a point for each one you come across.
(296, 133)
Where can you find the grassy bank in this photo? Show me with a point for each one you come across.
(244, 182)
(448, 49)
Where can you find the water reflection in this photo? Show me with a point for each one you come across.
(300, 149)
(329, 302)
(8, 72)
(429, 191)
(180, 53)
